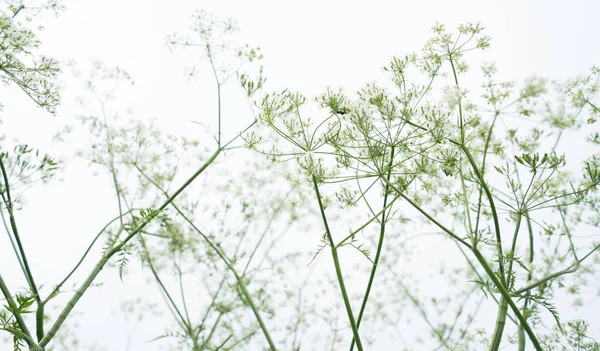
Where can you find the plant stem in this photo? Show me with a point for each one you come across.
(497, 282)
(11, 302)
(529, 277)
(500, 323)
(92, 276)
(338, 269)
(227, 262)
(13, 225)
(10, 238)
(180, 319)
(490, 198)
(460, 109)
(56, 290)
(214, 69)
(503, 307)
(379, 247)
(506, 295)
(428, 216)
(28, 275)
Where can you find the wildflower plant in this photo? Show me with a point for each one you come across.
(427, 146)
(143, 164)
(20, 64)
(420, 158)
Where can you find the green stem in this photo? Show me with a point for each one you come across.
(483, 162)
(529, 277)
(490, 198)
(28, 275)
(180, 319)
(500, 323)
(572, 268)
(460, 111)
(100, 265)
(428, 216)
(214, 69)
(12, 241)
(506, 295)
(503, 307)
(497, 282)
(56, 290)
(353, 233)
(13, 224)
(227, 262)
(248, 297)
(379, 248)
(13, 305)
(338, 269)
(39, 321)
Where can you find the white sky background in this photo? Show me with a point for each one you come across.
(308, 45)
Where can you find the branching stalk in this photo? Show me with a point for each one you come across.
(338, 268)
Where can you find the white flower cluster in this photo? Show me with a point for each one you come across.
(19, 64)
(452, 96)
(5, 21)
(14, 39)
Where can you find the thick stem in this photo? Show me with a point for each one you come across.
(39, 321)
(500, 323)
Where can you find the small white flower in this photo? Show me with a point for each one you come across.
(452, 95)
(5, 21)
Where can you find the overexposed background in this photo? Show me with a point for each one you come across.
(308, 45)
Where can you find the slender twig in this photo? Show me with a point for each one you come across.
(23, 257)
(13, 225)
(185, 323)
(87, 251)
(338, 268)
(102, 262)
(483, 183)
(379, 247)
(10, 238)
(506, 295)
(503, 307)
(13, 305)
(227, 262)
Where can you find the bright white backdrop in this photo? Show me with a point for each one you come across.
(308, 45)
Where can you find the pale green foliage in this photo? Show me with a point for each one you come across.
(428, 144)
(395, 174)
(19, 64)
